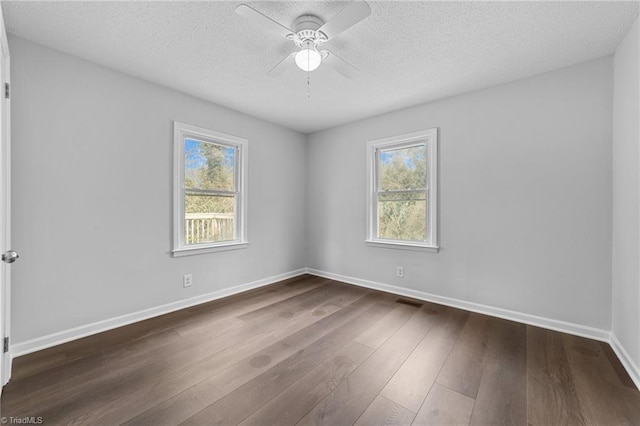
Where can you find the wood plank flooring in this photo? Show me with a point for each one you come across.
(311, 351)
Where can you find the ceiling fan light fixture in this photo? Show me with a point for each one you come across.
(309, 33)
(308, 59)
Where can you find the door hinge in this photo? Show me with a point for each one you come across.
(6, 344)
(7, 90)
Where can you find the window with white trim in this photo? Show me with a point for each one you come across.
(209, 190)
(402, 196)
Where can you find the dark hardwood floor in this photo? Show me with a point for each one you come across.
(314, 351)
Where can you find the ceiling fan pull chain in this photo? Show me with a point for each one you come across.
(308, 85)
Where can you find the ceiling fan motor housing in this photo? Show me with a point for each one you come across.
(306, 31)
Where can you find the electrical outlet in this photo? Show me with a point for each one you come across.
(187, 280)
(400, 272)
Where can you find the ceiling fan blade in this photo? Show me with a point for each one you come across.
(344, 68)
(264, 21)
(280, 66)
(355, 12)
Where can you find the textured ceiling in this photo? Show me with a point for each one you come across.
(408, 52)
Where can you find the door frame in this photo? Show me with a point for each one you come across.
(5, 204)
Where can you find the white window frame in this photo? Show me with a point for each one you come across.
(430, 138)
(182, 131)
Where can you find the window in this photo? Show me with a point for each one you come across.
(402, 206)
(209, 190)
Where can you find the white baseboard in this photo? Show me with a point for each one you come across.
(626, 360)
(556, 325)
(53, 339)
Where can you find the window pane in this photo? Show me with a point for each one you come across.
(208, 165)
(209, 218)
(402, 216)
(403, 168)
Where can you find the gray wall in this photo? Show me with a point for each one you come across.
(525, 197)
(626, 195)
(92, 185)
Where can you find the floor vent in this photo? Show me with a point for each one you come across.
(410, 303)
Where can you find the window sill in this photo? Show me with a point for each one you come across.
(402, 246)
(209, 249)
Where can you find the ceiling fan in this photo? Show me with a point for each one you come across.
(308, 34)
